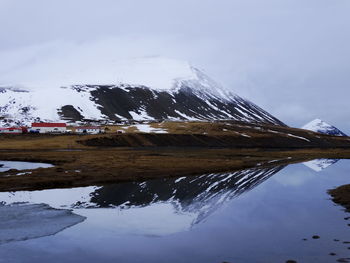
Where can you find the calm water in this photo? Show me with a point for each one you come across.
(255, 215)
(8, 165)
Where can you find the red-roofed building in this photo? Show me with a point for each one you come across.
(48, 127)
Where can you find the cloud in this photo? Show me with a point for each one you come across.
(290, 57)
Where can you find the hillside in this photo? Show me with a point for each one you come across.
(216, 134)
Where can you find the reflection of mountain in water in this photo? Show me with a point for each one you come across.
(320, 164)
(200, 195)
(155, 207)
(24, 221)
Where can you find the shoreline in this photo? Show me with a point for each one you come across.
(341, 196)
(100, 166)
(187, 149)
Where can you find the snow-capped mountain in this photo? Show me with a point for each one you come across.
(320, 126)
(138, 89)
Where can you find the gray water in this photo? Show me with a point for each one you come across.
(8, 165)
(254, 215)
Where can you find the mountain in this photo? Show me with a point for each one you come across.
(320, 126)
(135, 89)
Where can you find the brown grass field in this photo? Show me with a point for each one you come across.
(101, 166)
(82, 160)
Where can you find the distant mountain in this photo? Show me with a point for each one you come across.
(320, 126)
(137, 89)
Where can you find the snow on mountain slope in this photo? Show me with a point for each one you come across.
(320, 126)
(139, 89)
(44, 104)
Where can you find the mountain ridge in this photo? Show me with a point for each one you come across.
(141, 90)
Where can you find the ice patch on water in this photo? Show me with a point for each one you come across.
(28, 221)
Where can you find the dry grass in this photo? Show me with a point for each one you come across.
(102, 166)
(96, 165)
(124, 128)
(42, 141)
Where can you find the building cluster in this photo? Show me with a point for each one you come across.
(53, 128)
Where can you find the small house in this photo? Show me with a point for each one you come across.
(47, 127)
(89, 129)
(13, 130)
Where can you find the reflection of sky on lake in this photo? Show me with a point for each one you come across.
(265, 224)
(295, 177)
(8, 165)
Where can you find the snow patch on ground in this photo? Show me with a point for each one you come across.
(146, 128)
(298, 137)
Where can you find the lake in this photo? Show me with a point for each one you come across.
(254, 215)
(8, 165)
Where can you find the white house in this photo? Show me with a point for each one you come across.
(49, 127)
(89, 129)
(14, 130)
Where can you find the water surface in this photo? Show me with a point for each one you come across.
(8, 165)
(254, 215)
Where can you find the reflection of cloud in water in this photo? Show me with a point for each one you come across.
(27, 221)
(300, 177)
(320, 164)
(156, 219)
(294, 177)
(58, 198)
(155, 207)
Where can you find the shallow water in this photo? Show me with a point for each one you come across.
(255, 215)
(8, 165)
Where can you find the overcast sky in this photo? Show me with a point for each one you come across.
(290, 57)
